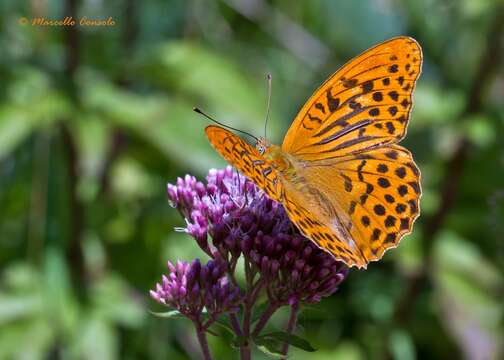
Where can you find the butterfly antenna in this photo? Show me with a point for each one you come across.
(195, 109)
(268, 104)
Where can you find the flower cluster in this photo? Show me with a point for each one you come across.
(230, 218)
(241, 220)
(190, 287)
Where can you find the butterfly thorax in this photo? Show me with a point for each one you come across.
(278, 159)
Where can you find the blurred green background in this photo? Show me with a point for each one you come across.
(95, 120)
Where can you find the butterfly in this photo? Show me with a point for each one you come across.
(339, 173)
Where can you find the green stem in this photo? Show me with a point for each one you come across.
(202, 339)
(264, 319)
(235, 324)
(245, 350)
(245, 353)
(290, 326)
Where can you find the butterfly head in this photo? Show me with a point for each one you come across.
(262, 145)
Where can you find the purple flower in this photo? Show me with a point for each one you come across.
(190, 287)
(241, 220)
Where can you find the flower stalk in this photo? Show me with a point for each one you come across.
(263, 320)
(202, 340)
(290, 326)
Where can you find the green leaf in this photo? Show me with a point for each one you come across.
(258, 311)
(15, 127)
(167, 314)
(291, 339)
(468, 291)
(478, 128)
(31, 103)
(401, 345)
(146, 117)
(223, 323)
(176, 314)
(111, 300)
(269, 346)
(62, 307)
(97, 339)
(13, 307)
(37, 332)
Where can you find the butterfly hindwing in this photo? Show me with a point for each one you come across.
(381, 195)
(247, 159)
(365, 104)
(357, 206)
(322, 235)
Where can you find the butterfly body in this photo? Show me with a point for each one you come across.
(276, 157)
(291, 175)
(339, 172)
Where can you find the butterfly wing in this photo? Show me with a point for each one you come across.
(314, 211)
(355, 193)
(363, 203)
(247, 159)
(363, 105)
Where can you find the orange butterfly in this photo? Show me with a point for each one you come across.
(339, 173)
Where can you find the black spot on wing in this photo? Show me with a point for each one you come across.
(392, 154)
(390, 238)
(393, 68)
(321, 107)
(367, 86)
(374, 112)
(348, 83)
(400, 208)
(376, 235)
(401, 172)
(382, 168)
(378, 96)
(389, 198)
(402, 190)
(314, 118)
(390, 221)
(394, 95)
(332, 103)
(383, 182)
(379, 209)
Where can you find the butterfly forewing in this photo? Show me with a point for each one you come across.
(247, 159)
(363, 105)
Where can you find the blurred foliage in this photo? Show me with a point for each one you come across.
(95, 120)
